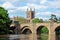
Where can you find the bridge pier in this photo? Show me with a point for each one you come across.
(51, 35)
(51, 27)
(51, 32)
(34, 34)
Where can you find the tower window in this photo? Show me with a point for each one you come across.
(28, 21)
(32, 14)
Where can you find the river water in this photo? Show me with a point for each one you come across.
(24, 37)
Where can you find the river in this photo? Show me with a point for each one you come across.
(24, 37)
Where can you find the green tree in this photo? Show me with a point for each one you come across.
(59, 19)
(44, 30)
(4, 21)
(53, 17)
(36, 20)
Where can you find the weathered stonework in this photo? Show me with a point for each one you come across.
(33, 26)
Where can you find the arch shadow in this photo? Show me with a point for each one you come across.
(24, 27)
(57, 33)
(26, 30)
(38, 30)
(40, 34)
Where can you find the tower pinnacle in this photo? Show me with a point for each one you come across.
(30, 15)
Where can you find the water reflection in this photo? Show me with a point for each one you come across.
(13, 37)
(57, 37)
(38, 36)
(23, 37)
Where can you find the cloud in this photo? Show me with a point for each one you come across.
(11, 11)
(31, 5)
(24, 8)
(55, 4)
(44, 18)
(11, 0)
(8, 5)
(43, 13)
(43, 1)
(43, 8)
(47, 13)
(51, 3)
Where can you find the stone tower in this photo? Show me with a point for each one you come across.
(30, 15)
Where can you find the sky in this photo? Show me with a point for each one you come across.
(43, 8)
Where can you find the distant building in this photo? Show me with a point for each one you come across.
(30, 15)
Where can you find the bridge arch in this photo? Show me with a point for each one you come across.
(57, 32)
(42, 35)
(24, 27)
(39, 28)
(26, 30)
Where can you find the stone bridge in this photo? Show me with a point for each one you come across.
(53, 27)
(34, 28)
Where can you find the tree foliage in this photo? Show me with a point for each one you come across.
(53, 17)
(36, 20)
(59, 19)
(44, 30)
(4, 21)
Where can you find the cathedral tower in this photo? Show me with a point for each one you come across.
(30, 15)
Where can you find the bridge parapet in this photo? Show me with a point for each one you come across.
(36, 25)
(27, 24)
(56, 25)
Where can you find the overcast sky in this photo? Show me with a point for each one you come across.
(43, 8)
